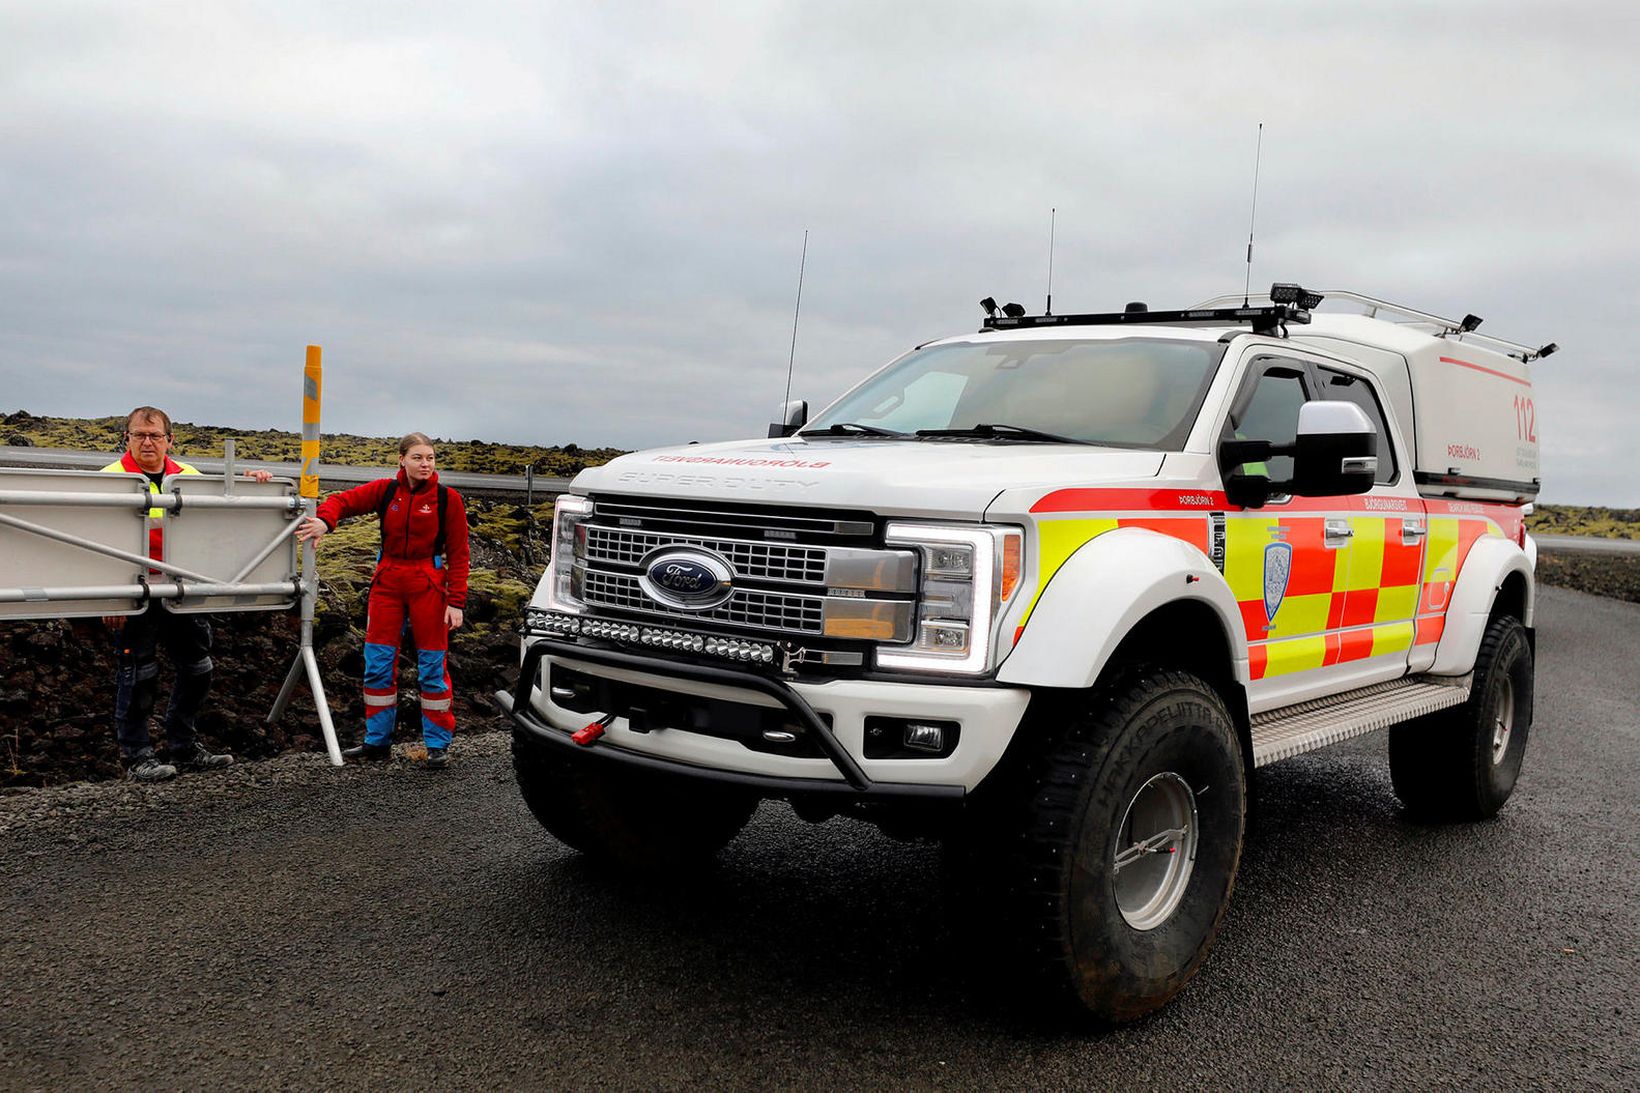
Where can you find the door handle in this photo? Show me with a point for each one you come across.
(1412, 531)
(1338, 532)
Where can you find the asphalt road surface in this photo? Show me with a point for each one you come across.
(285, 925)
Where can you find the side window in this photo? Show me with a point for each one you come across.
(1270, 412)
(1342, 387)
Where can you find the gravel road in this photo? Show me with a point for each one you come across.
(287, 925)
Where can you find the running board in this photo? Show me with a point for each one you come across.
(1288, 731)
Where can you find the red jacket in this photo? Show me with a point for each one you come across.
(410, 525)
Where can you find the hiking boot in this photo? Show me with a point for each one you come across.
(150, 770)
(196, 757)
(368, 753)
(437, 758)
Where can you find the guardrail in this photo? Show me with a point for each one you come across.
(1587, 544)
(465, 481)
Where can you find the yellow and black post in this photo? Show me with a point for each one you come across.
(312, 388)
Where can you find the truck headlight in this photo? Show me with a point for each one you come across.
(968, 575)
(566, 572)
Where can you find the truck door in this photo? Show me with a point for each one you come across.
(1388, 530)
(1287, 563)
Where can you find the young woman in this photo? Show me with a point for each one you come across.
(420, 581)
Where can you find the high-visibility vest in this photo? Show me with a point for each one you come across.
(125, 464)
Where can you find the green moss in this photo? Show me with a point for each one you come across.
(345, 449)
(508, 593)
(1602, 523)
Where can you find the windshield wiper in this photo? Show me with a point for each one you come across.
(851, 428)
(1003, 431)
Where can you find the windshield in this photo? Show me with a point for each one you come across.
(1129, 393)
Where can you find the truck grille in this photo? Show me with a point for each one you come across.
(756, 561)
(804, 573)
(763, 610)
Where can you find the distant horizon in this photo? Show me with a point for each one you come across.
(6, 413)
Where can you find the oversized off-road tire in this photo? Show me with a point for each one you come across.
(1130, 816)
(1462, 763)
(633, 819)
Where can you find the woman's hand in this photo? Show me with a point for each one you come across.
(452, 618)
(312, 528)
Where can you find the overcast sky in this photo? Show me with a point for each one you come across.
(556, 222)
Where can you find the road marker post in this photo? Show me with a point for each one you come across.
(312, 387)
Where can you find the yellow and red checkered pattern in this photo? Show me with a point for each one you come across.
(1381, 590)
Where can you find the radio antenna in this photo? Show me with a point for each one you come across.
(796, 311)
(1252, 218)
(1052, 213)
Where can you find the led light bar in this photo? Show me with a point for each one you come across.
(554, 624)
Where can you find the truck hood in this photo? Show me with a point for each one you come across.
(942, 479)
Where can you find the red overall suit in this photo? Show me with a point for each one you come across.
(411, 584)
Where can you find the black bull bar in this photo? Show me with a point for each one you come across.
(856, 784)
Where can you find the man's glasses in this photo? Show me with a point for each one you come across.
(156, 437)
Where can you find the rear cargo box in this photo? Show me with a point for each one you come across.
(1466, 410)
(1476, 423)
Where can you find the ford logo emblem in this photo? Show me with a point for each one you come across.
(686, 578)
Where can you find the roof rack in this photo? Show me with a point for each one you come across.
(1288, 304)
(1265, 320)
(1373, 305)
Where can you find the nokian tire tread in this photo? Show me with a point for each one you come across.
(633, 820)
(1047, 837)
(1440, 765)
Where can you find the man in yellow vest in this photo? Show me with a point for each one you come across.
(187, 638)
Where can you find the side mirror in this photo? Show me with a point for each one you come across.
(1336, 451)
(794, 415)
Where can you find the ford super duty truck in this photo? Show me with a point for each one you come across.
(1049, 592)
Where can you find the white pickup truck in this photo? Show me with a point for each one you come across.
(1049, 592)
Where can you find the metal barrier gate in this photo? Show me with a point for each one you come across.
(74, 544)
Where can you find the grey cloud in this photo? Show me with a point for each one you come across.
(581, 223)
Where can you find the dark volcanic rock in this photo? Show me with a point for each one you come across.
(57, 686)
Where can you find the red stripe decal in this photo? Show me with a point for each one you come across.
(1488, 371)
(1130, 500)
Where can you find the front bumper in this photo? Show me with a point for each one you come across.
(988, 717)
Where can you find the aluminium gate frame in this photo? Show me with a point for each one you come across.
(183, 582)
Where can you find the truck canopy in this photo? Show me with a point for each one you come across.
(1468, 408)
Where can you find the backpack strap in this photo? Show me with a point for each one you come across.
(387, 499)
(381, 516)
(443, 508)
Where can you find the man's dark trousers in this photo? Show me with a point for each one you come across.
(187, 638)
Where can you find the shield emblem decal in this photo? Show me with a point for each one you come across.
(1278, 566)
